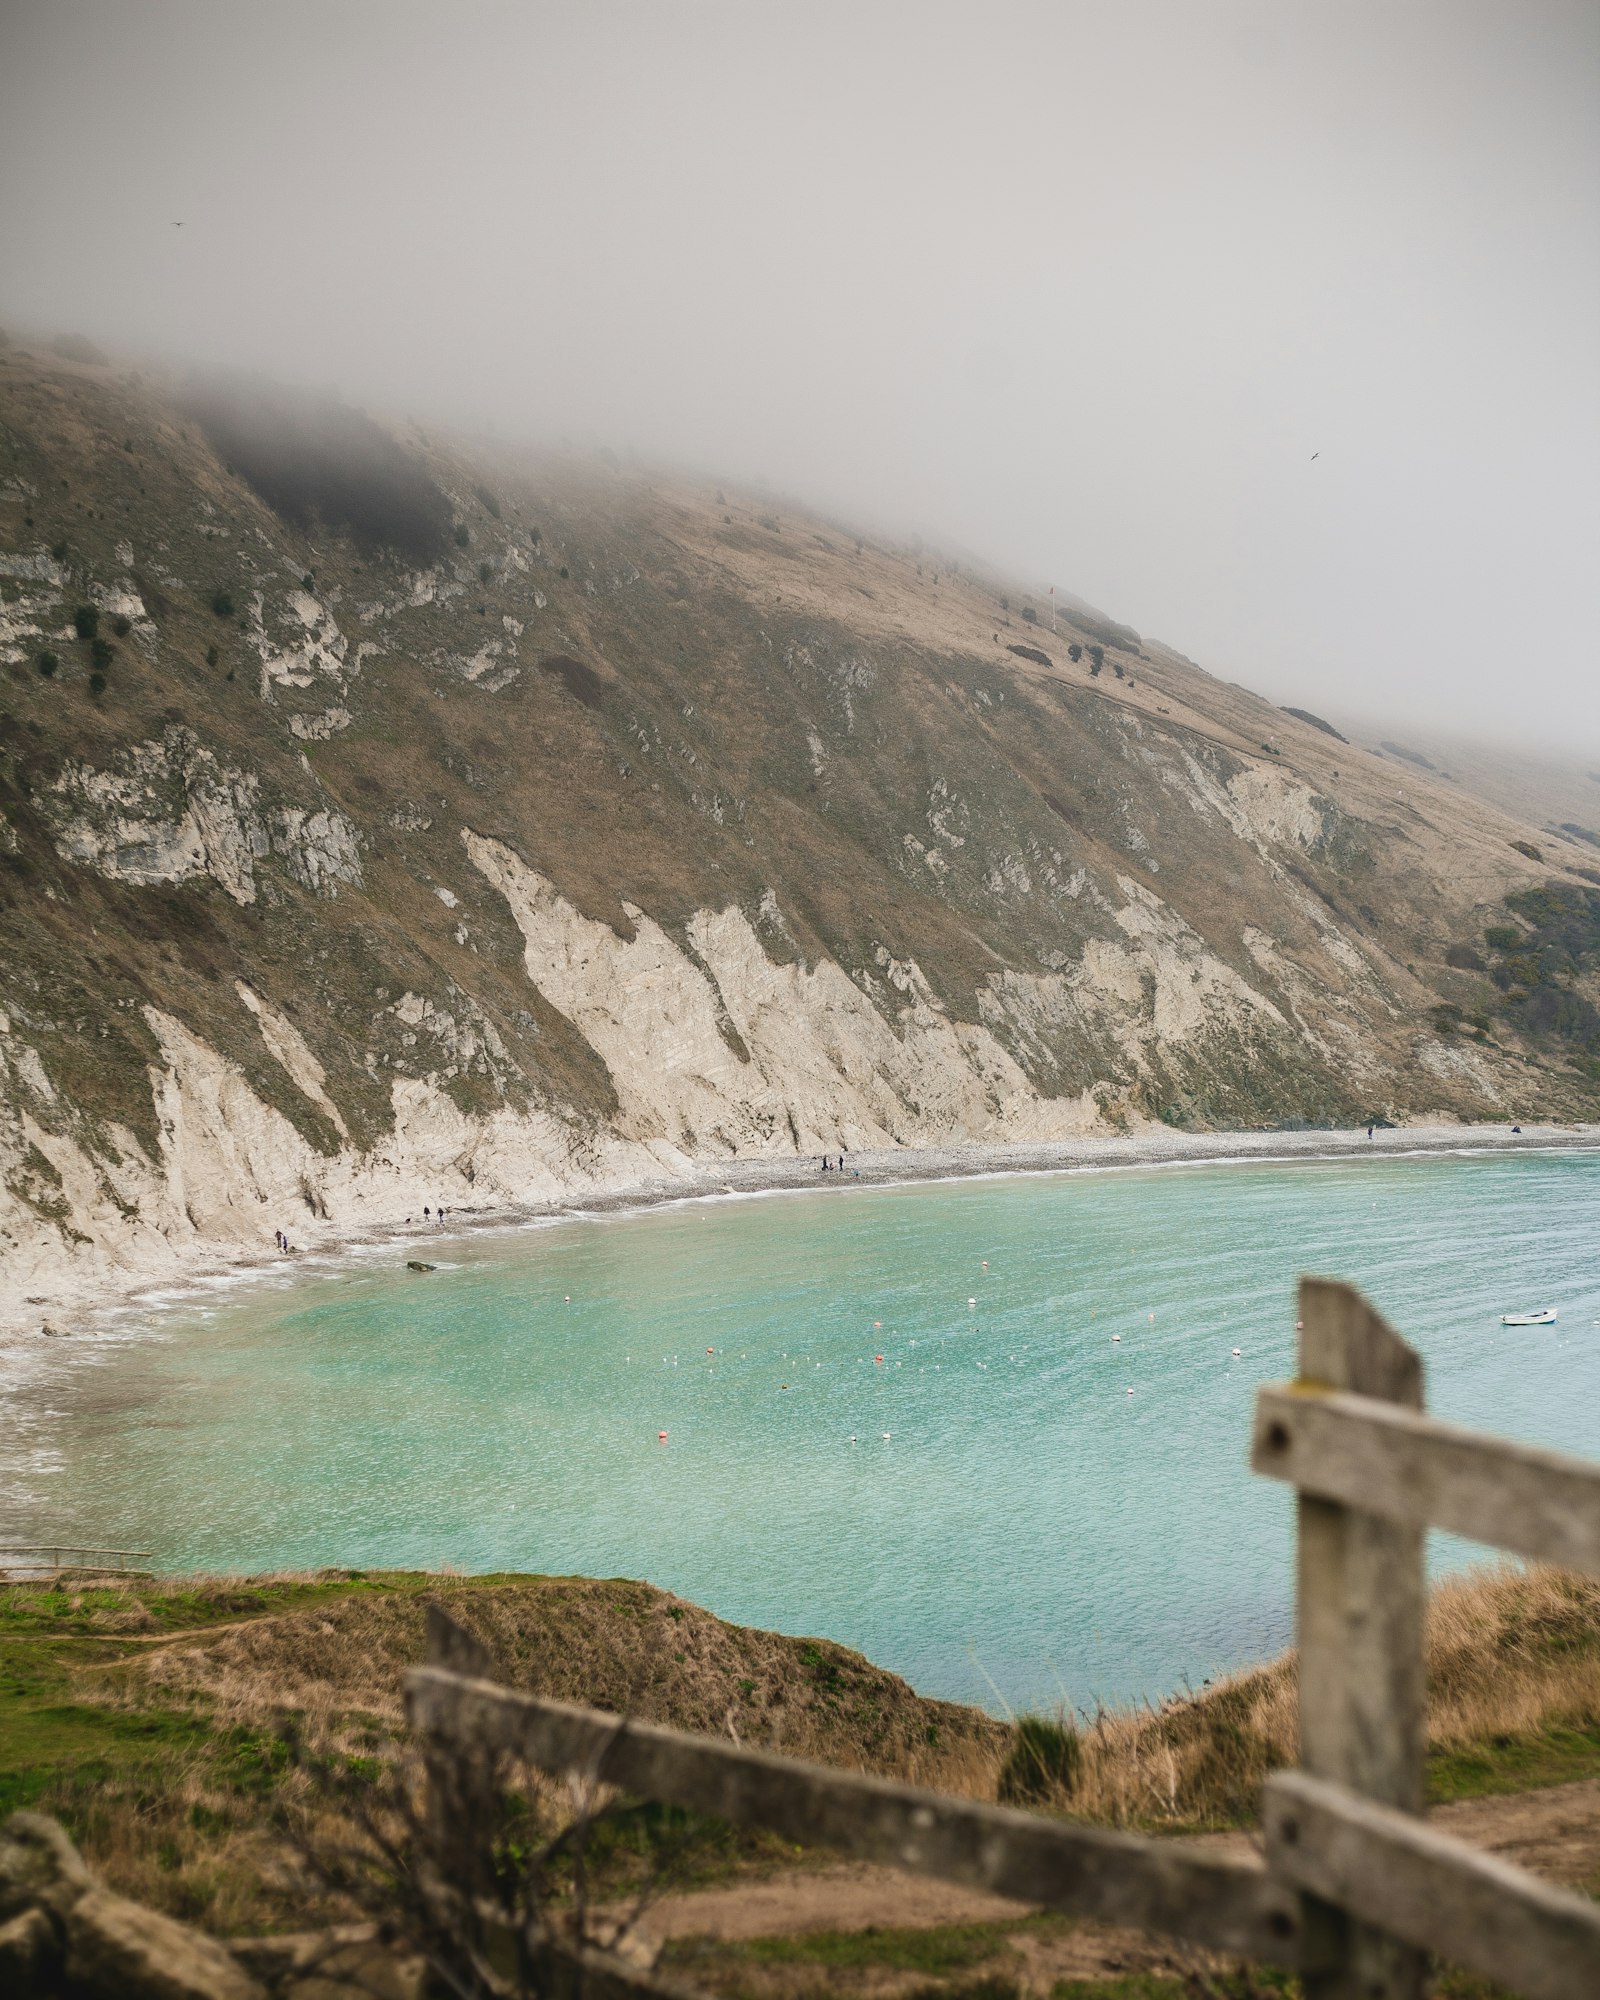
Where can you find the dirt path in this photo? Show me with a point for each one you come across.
(155, 1640)
(1554, 1832)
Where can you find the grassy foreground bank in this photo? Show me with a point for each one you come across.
(146, 1714)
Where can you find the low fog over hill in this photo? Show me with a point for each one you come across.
(1271, 329)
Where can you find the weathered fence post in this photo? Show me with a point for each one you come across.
(460, 1781)
(1360, 1598)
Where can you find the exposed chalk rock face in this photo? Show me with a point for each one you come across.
(813, 1051)
(318, 728)
(288, 1047)
(170, 810)
(320, 849)
(298, 642)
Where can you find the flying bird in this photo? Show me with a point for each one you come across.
(177, 225)
(1316, 454)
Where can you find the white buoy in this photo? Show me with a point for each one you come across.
(972, 1302)
(886, 1437)
(1237, 1352)
(1130, 1392)
(1115, 1338)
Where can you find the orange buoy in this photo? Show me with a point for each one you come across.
(879, 1359)
(661, 1437)
(711, 1350)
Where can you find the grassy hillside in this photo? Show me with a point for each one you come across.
(377, 816)
(147, 1713)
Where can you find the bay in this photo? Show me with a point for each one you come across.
(1027, 1532)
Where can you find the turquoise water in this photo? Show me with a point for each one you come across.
(1028, 1528)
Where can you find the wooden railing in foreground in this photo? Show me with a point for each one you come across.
(1381, 1889)
(1357, 1889)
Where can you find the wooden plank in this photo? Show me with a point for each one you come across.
(1473, 1909)
(1151, 1885)
(1414, 1469)
(1359, 1607)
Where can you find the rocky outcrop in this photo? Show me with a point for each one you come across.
(64, 1936)
(168, 810)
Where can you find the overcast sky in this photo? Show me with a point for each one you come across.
(1081, 288)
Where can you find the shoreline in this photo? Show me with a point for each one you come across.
(204, 1267)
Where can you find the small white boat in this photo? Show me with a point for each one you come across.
(1545, 1318)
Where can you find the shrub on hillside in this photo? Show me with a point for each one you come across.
(47, 663)
(97, 684)
(485, 571)
(121, 625)
(1502, 937)
(463, 534)
(1464, 958)
(487, 501)
(1527, 847)
(1029, 615)
(1044, 1761)
(1097, 659)
(1074, 651)
(86, 621)
(222, 603)
(102, 652)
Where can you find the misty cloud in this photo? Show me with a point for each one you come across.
(1081, 289)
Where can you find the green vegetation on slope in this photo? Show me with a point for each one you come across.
(657, 700)
(147, 1714)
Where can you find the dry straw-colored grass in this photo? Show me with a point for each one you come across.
(1512, 1655)
(1510, 1652)
(621, 1646)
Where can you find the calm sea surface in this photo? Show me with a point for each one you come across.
(1027, 1528)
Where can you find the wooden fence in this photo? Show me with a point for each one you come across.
(28, 1561)
(1357, 1890)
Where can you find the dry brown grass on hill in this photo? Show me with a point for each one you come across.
(163, 1755)
(1513, 1658)
(620, 1646)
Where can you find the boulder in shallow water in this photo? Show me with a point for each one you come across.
(415, 1264)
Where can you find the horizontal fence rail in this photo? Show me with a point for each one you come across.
(56, 1556)
(1227, 1906)
(1430, 1890)
(1386, 1460)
